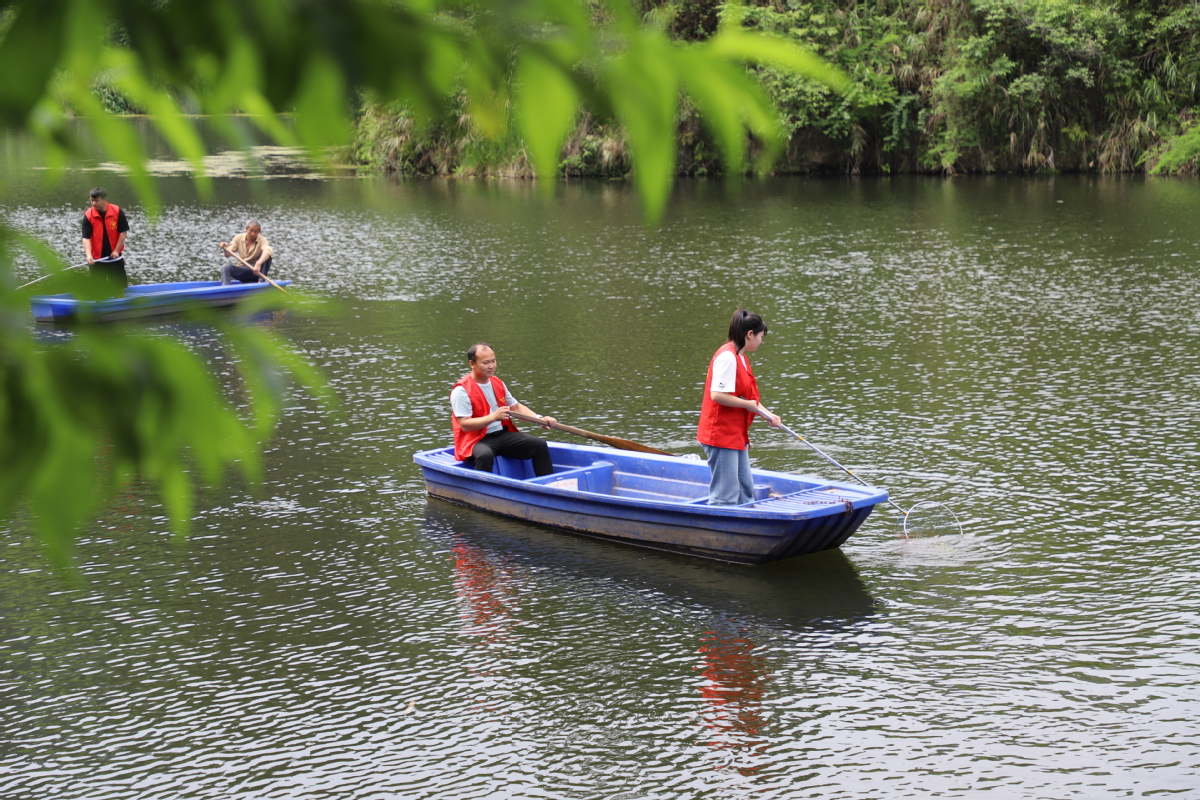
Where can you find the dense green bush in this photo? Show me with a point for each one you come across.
(939, 85)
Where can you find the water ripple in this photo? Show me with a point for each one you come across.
(334, 633)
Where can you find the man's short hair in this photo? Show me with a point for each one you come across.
(255, 223)
(473, 350)
(98, 193)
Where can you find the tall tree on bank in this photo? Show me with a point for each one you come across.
(147, 408)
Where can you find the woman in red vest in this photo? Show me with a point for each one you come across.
(104, 231)
(729, 405)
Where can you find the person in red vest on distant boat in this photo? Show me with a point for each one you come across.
(104, 231)
(730, 404)
(483, 429)
(252, 253)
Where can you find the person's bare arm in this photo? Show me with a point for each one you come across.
(733, 401)
(266, 253)
(545, 422)
(475, 423)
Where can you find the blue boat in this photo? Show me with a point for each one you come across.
(658, 501)
(147, 300)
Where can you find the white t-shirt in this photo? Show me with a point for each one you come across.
(460, 403)
(725, 372)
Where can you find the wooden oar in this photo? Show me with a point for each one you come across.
(611, 441)
(250, 267)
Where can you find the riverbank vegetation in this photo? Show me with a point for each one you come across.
(941, 86)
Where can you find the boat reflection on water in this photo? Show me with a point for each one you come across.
(489, 598)
(735, 681)
(818, 590)
(505, 572)
(720, 617)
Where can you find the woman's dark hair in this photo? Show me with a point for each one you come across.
(744, 322)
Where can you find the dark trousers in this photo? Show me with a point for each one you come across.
(242, 274)
(113, 272)
(511, 444)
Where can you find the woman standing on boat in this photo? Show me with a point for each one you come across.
(729, 405)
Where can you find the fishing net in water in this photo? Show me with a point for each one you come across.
(926, 519)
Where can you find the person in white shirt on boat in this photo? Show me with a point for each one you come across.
(483, 429)
(728, 407)
(254, 251)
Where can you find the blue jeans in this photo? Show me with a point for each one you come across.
(732, 483)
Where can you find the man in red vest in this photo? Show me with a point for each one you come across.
(483, 429)
(104, 230)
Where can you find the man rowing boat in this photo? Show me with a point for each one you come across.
(483, 428)
(253, 253)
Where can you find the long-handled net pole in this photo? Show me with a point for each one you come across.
(904, 514)
(48, 274)
(833, 461)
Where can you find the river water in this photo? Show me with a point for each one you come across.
(1023, 350)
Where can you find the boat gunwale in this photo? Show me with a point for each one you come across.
(205, 287)
(65, 307)
(861, 496)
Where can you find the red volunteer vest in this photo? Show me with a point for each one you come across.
(465, 441)
(101, 226)
(722, 426)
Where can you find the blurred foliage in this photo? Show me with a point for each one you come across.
(112, 404)
(602, 92)
(83, 414)
(935, 85)
(462, 72)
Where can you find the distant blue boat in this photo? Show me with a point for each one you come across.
(660, 502)
(148, 300)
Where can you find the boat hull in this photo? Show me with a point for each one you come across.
(659, 502)
(147, 300)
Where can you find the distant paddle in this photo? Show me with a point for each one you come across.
(250, 267)
(611, 441)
